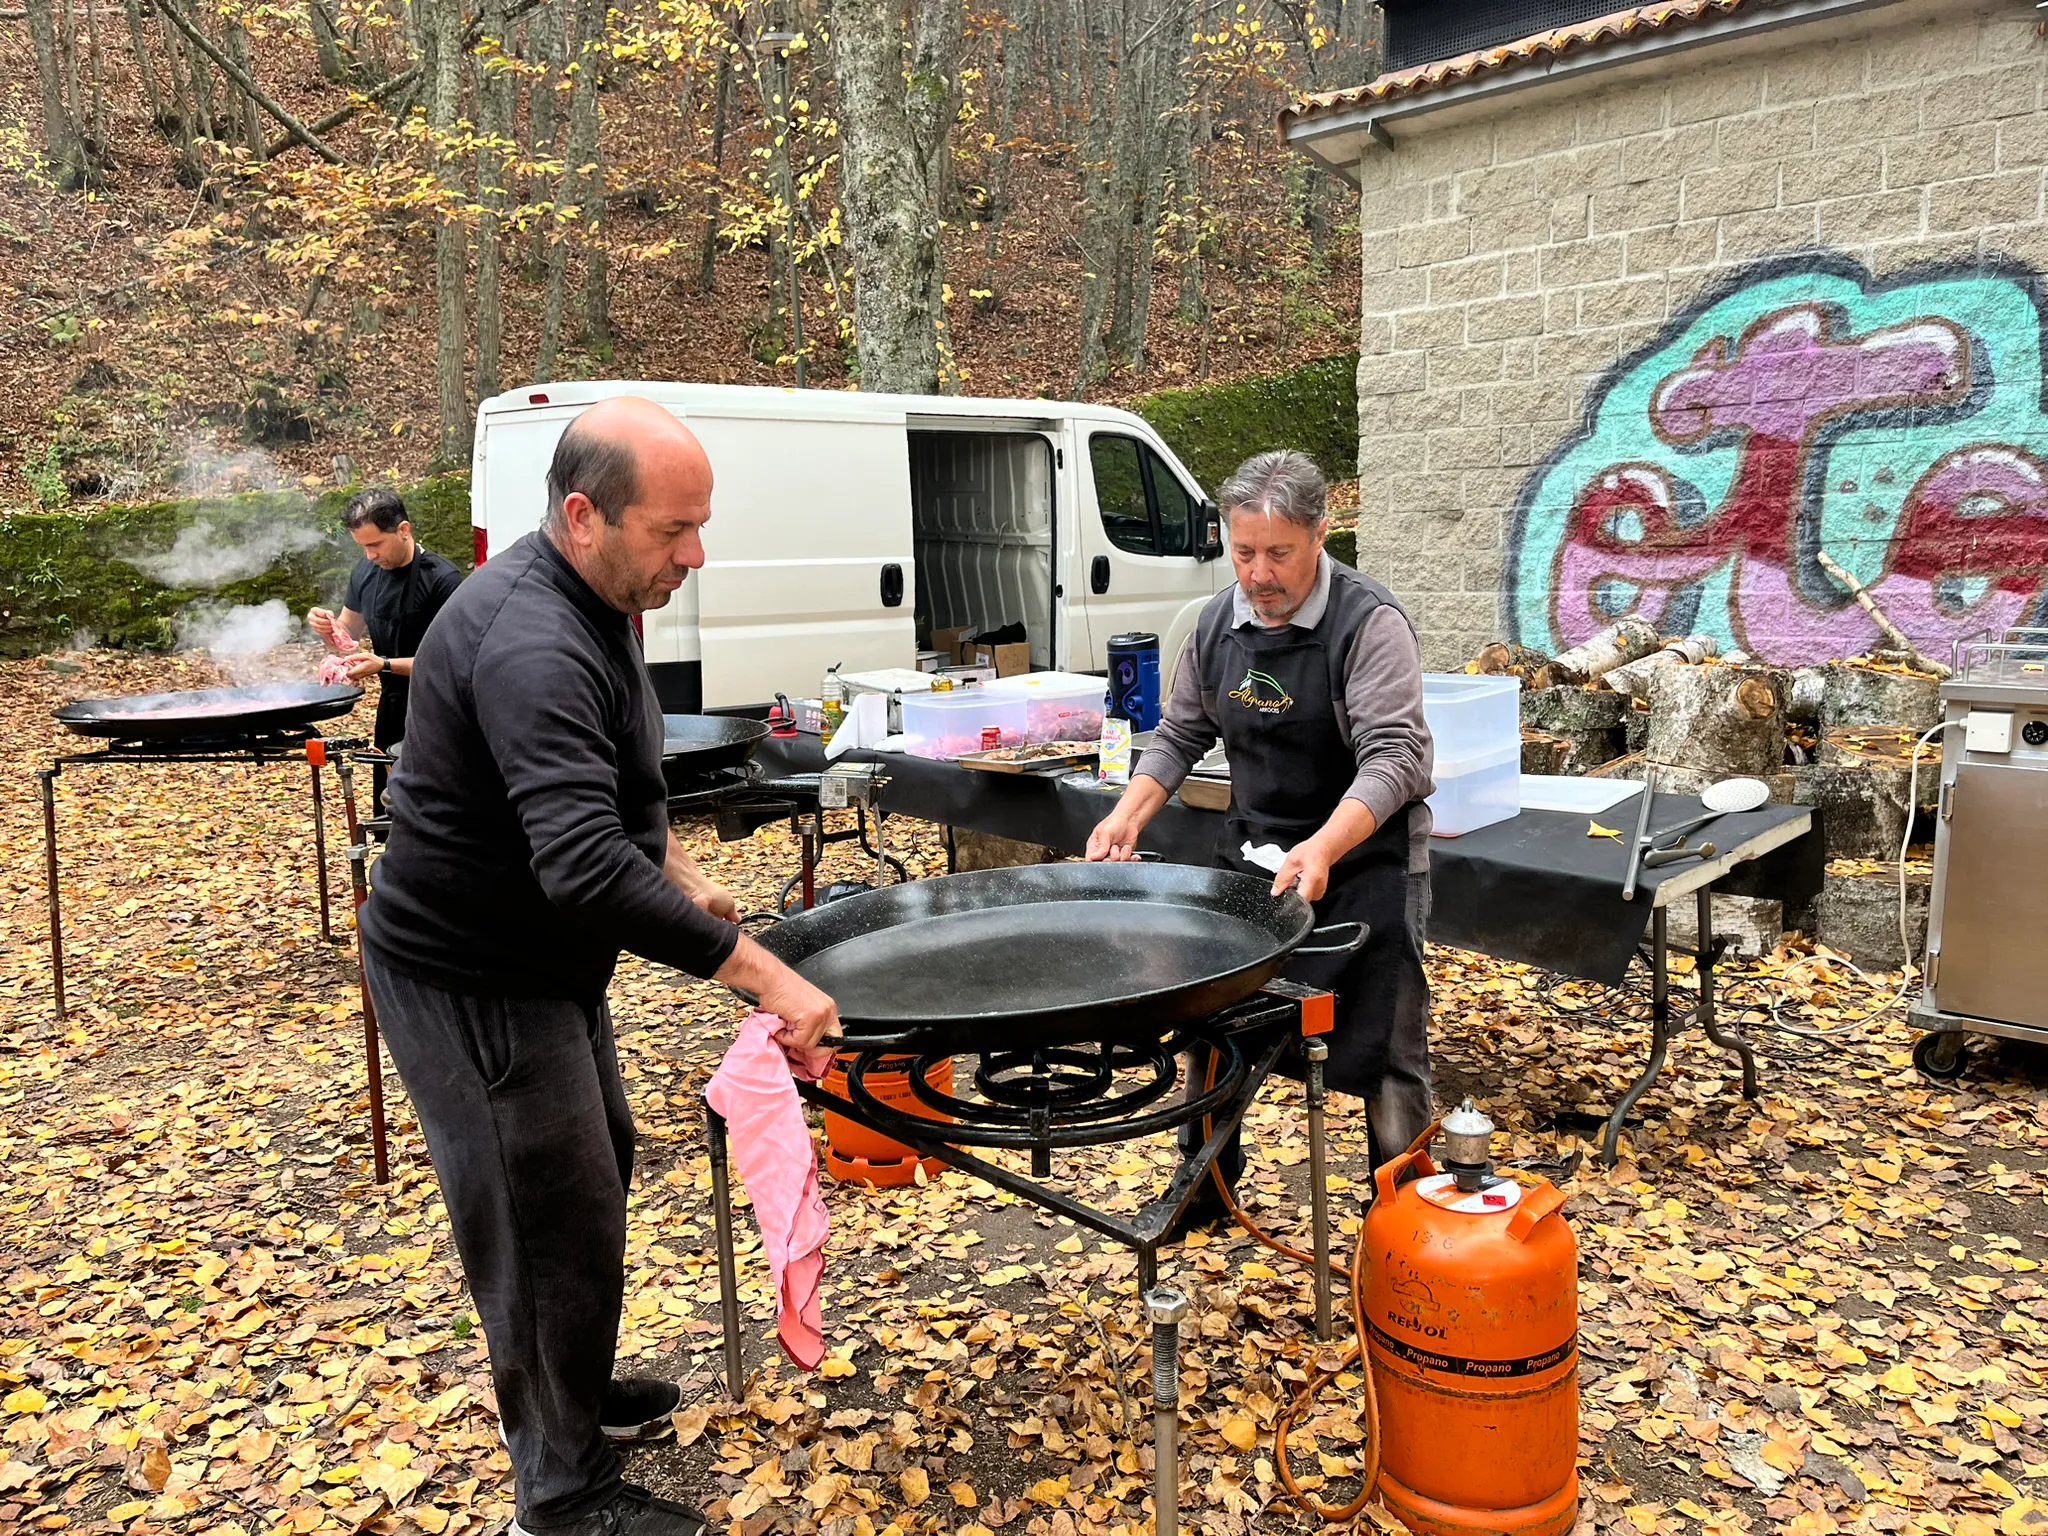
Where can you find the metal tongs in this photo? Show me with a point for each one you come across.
(1643, 852)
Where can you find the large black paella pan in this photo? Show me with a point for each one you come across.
(210, 713)
(1052, 954)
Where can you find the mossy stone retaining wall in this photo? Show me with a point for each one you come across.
(67, 575)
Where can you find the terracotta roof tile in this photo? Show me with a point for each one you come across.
(1602, 31)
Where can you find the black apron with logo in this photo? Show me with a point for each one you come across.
(1289, 768)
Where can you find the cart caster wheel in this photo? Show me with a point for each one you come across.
(1939, 1056)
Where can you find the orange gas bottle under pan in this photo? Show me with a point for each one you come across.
(1471, 1319)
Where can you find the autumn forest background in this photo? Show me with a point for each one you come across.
(271, 242)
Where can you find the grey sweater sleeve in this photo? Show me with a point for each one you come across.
(1383, 709)
(1186, 730)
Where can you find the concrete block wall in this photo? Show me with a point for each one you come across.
(1649, 345)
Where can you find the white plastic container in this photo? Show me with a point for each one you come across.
(1476, 724)
(1060, 706)
(961, 720)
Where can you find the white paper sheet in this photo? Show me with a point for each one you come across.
(866, 725)
(1267, 855)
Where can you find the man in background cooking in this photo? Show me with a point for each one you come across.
(530, 845)
(1310, 674)
(393, 596)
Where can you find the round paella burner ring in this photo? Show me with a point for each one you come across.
(1039, 1099)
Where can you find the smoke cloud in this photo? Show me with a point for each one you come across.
(207, 556)
(227, 631)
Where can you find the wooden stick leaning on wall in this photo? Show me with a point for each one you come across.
(1868, 604)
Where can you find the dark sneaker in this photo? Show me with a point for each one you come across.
(632, 1512)
(638, 1408)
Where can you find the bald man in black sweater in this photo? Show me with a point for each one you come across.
(529, 846)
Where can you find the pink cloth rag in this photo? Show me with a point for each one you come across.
(755, 1091)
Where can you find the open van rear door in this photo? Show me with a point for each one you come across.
(808, 553)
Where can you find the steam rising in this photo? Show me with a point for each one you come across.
(234, 631)
(206, 556)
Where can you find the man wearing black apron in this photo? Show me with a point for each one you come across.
(392, 598)
(1310, 674)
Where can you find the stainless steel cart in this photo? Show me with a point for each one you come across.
(1987, 921)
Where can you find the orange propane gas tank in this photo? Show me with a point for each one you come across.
(1472, 1320)
(855, 1154)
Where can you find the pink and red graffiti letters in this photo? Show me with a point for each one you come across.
(1897, 426)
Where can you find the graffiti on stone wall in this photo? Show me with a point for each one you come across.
(1802, 407)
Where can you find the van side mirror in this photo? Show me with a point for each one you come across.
(1209, 538)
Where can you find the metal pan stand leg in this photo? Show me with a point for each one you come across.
(1660, 1036)
(728, 1264)
(373, 1064)
(1165, 1307)
(48, 776)
(1318, 1183)
(320, 855)
(1707, 953)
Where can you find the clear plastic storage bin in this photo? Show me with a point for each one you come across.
(1059, 706)
(1476, 723)
(948, 724)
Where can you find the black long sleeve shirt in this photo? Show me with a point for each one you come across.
(529, 817)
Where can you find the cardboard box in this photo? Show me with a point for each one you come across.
(949, 642)
(1008, 660)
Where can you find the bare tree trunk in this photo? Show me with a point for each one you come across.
(1161, 129)
(235, 43)
(547, 48)
(494, 88)
(892, 225)
(334, 63)
(196, 61)
(143, 66)
(569, 193)
(99, 98)
(1132, 157)
(932, 102)
(1098, 188)
(707, 255)
(67, 45)
(1193, 302)
(63, 148)
(1013, 55)
(584, 149)
(451, 244)
(183, 101)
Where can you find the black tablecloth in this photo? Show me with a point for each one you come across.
(1534, 888)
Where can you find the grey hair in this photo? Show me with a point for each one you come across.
(1282, 481)
(606, 469)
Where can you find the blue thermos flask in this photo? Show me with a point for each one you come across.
(1134, 678)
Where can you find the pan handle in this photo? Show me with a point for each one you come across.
(760, 917)
(1146, 856)
(1355, 942)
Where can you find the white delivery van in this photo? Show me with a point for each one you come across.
(845, 524)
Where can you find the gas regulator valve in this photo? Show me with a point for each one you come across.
(1468, 1146)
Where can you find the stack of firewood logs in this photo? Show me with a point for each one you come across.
(1631, 701)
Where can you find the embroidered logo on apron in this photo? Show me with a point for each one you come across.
(1263, 692)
